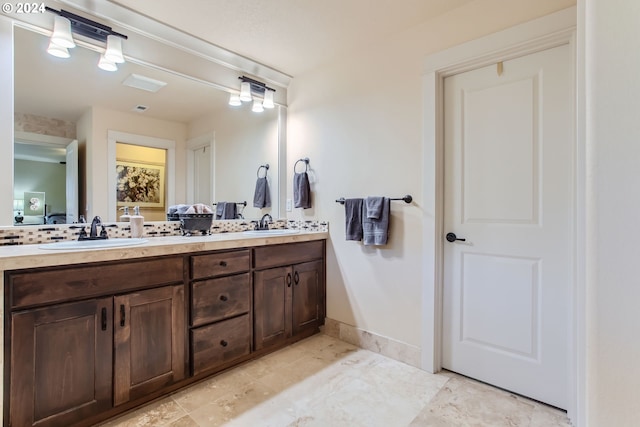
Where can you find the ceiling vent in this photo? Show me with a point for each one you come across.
(144, 83)
(140, 108)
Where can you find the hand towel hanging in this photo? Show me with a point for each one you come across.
(301, 186)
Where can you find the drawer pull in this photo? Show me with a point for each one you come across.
(122, 314)
(223, 263)
(223, 298)
(104, 318)
(224, 343)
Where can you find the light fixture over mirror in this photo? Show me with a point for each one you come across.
(247, 88)
(61, 39)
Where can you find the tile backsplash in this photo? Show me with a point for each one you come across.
(46, 233)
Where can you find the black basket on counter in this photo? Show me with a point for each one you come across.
(193, 223)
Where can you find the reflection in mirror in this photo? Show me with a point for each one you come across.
(44, 164)
(218, 147)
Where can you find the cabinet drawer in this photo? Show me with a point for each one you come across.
(220, 264)
(220, 342)
(287, 254)
(46, 286)
(217, 299)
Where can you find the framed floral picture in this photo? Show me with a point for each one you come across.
(139, 184)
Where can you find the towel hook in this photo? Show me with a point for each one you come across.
(306, 164)
(266, 168)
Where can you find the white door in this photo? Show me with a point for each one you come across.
(202, 175)
(72, 194)
(508, 192)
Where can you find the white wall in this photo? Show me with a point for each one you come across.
(359, 120)
(613, 198)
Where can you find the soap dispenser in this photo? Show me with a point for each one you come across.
(137, 223)
(125, 217)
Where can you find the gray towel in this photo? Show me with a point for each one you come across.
(353, 219)
(220, 209)
(229, 211)
(301, 190)
(376, 231)
(262, 195)
(373, 205)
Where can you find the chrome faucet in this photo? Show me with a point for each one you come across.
(263, 224)
(97, 221)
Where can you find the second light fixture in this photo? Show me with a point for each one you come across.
(248, 87)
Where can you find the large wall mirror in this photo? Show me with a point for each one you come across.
(218, 149)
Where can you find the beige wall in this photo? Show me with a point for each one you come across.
(103, 120)
(359, 121)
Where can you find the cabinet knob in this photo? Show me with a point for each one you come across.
(223, 263)
(223, 298)
(224, 343)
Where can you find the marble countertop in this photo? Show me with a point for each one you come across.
(30, 256)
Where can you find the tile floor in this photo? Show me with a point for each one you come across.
(325, 382)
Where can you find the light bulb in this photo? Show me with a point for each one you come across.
(234, 100)
(257, 106)
(58, 51)
(245, 92)
(114, 49)
(268, 99)
(62, 32)
(106, 65)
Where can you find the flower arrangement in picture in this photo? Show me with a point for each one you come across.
(140, 184)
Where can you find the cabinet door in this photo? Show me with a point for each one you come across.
(308, 295)
(61, 363)
(149, 330)
(272, 306)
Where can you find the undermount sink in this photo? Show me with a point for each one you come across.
(93, 244)
(272, 232)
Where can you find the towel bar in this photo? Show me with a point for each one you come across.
(406, 199)
(237, 203)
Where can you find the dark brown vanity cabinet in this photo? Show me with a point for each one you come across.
(289, 292)
(220, 309)
(70, 361)
(85, 342)
(61, 363)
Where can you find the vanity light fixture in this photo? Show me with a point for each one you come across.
(250, 86)
(67, 23)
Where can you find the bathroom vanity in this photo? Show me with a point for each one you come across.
(90, 334)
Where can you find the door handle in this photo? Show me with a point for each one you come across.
(122, 314)
(296, 278)
(288, 280)
(451, 237)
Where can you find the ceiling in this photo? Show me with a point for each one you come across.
(292, 36)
